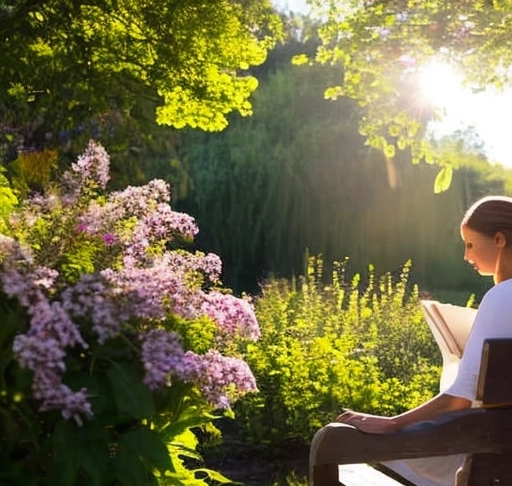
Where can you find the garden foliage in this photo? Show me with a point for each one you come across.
(65, 64)
(352, 344)
(115, 341)
(296, 176)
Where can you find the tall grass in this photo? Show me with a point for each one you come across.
(334, 345)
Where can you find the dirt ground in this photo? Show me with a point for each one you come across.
(259, 464)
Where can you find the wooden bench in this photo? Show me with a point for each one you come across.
(484, 433)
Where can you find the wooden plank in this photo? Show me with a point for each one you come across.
(469, 431)
(495, 377)
(324, 475)
(490, 469)
(364, 475)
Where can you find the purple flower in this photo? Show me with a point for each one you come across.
(82, 227)
(162, 355)
(407, 60)
(109, 239)
(93, 165)
(221, 378)
(233, 316)
(42, 348)
(147, 287)
(54, 395)
(183, 224)
(94, 298)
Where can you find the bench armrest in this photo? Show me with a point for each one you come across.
(467, 431)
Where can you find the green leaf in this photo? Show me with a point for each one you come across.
(132, 398)
(214, 476)
(66, 456)
(443, 179)
(128, 468)
(79, 450)
(148, 444)
(189, 418)
(12, 322)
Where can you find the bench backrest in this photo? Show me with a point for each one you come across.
(495, 376)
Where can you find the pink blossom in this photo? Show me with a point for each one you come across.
(109, 239)
(93, 165)
(53, 394)
(42, 348)
(407, 60)
(183, 224)
(162, 355)
(233, 316)
(221, 378)
(137, 200)
(92, 297)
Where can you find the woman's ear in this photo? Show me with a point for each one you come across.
(500, 239)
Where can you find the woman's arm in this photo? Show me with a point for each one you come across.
(493, 320)
(439, 405)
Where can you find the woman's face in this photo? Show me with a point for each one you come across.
(480, 250)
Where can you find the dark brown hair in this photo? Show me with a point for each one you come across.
(490, 215)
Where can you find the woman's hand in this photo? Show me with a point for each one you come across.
(431, 410)
(373, 424)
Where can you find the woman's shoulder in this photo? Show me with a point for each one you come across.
(500, 291)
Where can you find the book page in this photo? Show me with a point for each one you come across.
(450, 324)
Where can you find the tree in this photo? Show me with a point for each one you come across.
(64, 64)
(296, 178)
(383, 44)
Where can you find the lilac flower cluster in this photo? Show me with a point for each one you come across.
(147, 287)
(234, 316)
(115, 296)
(100, 218)
(162, 355)
(210, 265)
(160, 224)
(137, 218)
(42, 349)
(91, 297)
(152, 292)
(220, 378)
(162, 221)
(136, 201)
(133, 202)
(93, 165)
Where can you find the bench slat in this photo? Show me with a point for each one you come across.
(495, 377)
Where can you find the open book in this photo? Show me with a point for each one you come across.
(450, 324)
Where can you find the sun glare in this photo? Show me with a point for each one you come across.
(442, 86)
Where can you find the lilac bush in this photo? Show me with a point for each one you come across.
(117, 330)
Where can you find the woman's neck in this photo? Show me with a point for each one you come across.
(503, 265)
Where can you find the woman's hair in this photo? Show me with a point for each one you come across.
(490, 215)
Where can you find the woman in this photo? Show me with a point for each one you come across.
(486, 230)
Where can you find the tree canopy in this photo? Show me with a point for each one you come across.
(382, 46)
(63, 62)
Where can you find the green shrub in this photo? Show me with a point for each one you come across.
(341, 345)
